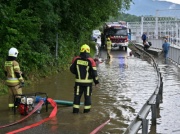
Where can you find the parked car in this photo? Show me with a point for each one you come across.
(96, 34)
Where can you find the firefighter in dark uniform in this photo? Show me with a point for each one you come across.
(84, 68)
(14, 77)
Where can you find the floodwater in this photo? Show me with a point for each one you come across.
(126, 83)
(169, 119)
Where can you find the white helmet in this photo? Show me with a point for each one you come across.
(13, 52)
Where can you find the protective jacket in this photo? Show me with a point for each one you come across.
(84, 68)
(109, 43)
(13, 73)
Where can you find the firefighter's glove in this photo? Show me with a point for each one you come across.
(22, 84)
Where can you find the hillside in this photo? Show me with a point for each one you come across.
(149, 7)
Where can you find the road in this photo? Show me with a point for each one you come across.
(126, 82)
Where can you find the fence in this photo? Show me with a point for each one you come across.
(165, 24)
(151, 104)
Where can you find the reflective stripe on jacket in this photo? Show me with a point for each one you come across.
(109, 43)
(11, 67)
(84, 70)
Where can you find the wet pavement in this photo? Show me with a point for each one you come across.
(126, 84)
(169, 119)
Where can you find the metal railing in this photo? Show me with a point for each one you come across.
(151, 105)
(174, 50)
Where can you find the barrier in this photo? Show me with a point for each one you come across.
(151, 105)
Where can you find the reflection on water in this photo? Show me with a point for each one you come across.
(169, 121)
(126, 84)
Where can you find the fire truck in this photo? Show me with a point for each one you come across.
(118, 32)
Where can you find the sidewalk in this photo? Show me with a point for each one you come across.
(151, 50)
(168, 119)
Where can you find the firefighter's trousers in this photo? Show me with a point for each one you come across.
(108, 53)
(13, 90)
(78, 91)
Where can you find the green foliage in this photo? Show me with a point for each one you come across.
(32, 27)
(3, 88)
(126, 17)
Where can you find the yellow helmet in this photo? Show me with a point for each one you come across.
(85, 48)
(108, 38)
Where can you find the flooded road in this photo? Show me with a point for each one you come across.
(169, 119)
(125, 85)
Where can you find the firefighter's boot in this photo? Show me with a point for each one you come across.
(86, 110)
(75, 110)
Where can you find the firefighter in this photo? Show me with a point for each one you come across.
(84, 69)
(109, 44)
(14, 77)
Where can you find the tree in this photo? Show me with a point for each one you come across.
(31, 26)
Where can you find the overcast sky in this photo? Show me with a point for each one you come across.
(173, 1)
(150, 7)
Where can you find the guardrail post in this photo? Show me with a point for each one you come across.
(157, 100)
(161, 87)
(161, 91)
(154, 114)
(145, 123)
(158, 69)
